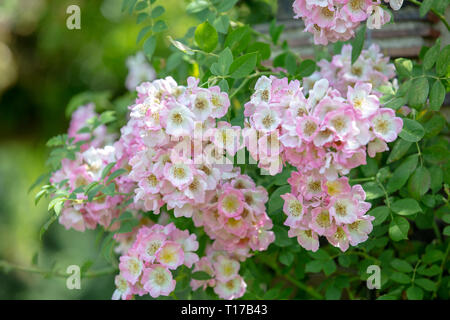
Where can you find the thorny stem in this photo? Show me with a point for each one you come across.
(388, 203)
(6, 266)
(414, 272)
(439, 15)
(444, 260)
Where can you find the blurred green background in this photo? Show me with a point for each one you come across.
(42, 65)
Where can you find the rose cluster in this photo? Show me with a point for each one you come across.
(86, 168)
(370, 67)
(235, 217)
(146, 267)
(317, 207)
(324, 131)
(175, 152)
(223, 270)
(337, 20)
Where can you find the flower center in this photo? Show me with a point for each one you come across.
(265, 95)
(310, 128)
(341, 209)
(295, 208)
(315, 186)
(382, 126)
(356, 4)
(177, 118)
(267, 121)
(327, 12)
(152, 180)
(152, 247)
(201, 103)
(179, 173)
(160, 278)
(323, 219)
(338, 123)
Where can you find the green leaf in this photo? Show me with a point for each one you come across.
(290, 63)
(396, 103)
(404, 67)
(263, 49)
(380, 214)
(373, 191)
(434, 126)
(223, 64)
(281, 237)
(141, 17)
(401, 265)
(127, 226)
(158, 11)
(344, 261)
(221, 24)
(399, 150)
(46, 225)
(243, 66)
(320, 254)
(181, 46)
(238, 39)
(446, 231)
(414, 292)
(419, 92)
(443, 61)
(275, 31)
(223, 85)
(398, 229)
(412, 130)
(39, 196)
(436, 154)
(142, 33)
(400, 277)
(329, 267)
(128, 4)
(419, 183)
(437, 95)
(432, 55)
(406, 207)
(426, 284)
(275, 201)
(358, 43)
(149, 47)
(107, 169)
(306, 68)
(159, 26)
(93, 192)
(201, 275)
(197, 6)
(141, 6)
(224, 6)
(115, 174)
(206, 37)
(432, 256)
(425, 7)
(402, 173)
(286, 258)
(314, 266)
(333, 293)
